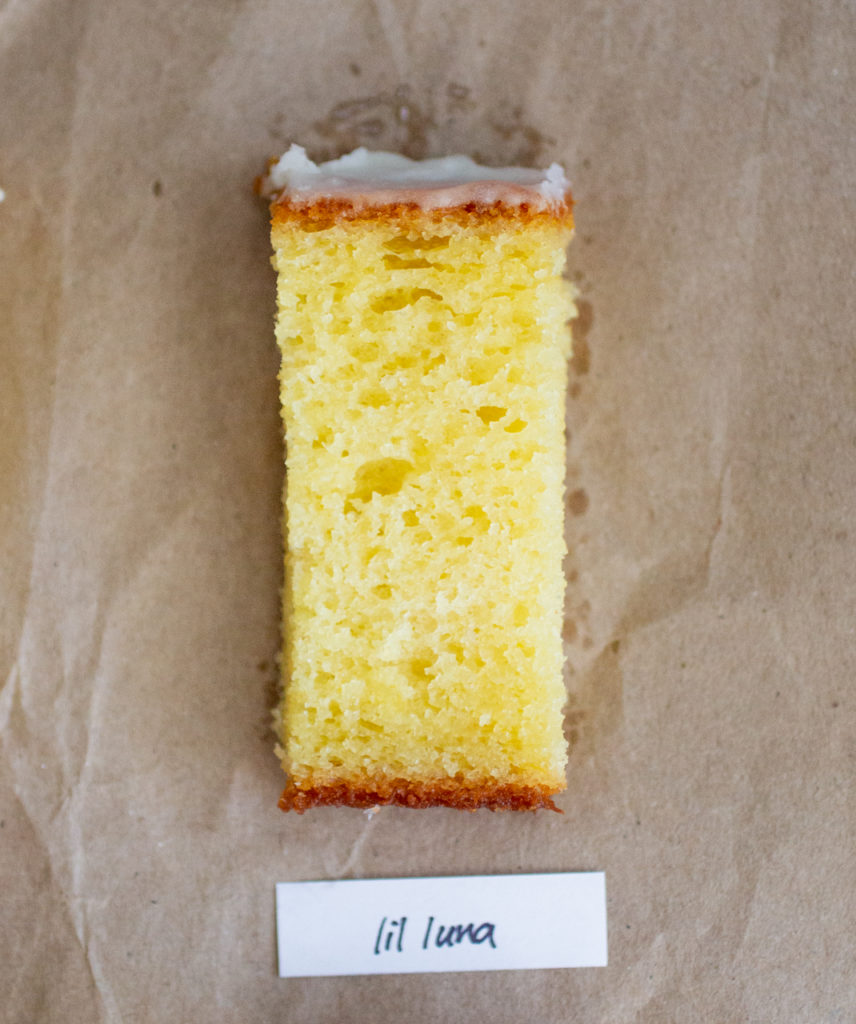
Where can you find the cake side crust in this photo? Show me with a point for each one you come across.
(461, 795)
(324, 210)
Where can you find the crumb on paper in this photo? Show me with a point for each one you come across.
(370, 812)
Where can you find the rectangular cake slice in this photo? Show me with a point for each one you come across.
(422, 321)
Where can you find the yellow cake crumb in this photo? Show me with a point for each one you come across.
(423, 392)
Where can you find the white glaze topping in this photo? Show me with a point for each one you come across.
(377, 178)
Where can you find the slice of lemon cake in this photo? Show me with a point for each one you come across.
(423, 329)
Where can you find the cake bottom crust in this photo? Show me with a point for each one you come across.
(465, 796)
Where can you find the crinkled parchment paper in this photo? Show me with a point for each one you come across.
(711, 492)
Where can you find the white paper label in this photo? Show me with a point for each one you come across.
(417, 925)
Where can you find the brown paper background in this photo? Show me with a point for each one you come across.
(712, 476)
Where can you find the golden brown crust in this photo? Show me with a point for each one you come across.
(323, 212)
(465, 796)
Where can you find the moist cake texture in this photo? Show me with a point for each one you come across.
(422, 322)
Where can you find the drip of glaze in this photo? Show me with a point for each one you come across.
(378, 178)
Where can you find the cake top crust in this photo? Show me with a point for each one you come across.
(372, 179)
